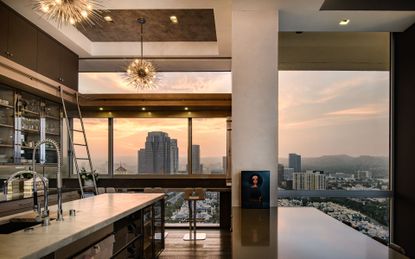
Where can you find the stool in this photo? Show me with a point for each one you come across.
(192, 196)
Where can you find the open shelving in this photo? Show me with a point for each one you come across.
(26, 119)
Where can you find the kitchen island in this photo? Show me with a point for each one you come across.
(132, 222)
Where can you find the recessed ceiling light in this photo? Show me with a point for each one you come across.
(108, 18)
(143, 108)
(186, 108)
(101, 109)
(174, 19)
(344, 22)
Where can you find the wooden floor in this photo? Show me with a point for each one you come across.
(217, 245)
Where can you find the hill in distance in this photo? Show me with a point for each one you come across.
(378, 165)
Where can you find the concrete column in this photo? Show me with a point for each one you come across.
(254, 92)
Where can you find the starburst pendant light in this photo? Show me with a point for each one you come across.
(71, 11)
(141, 73)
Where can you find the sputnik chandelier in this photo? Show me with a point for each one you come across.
(70, 11)
(141, 73)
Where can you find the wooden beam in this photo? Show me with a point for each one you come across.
(28, 80)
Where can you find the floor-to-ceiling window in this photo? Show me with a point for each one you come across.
(209, 146)
(334, 145)
(151, 145)
(97, 136)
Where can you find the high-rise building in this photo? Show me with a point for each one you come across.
(310, 180)
(197, 168)
(174, 156)
(288, 173)
(294, 161)
(280, 174)
(160, 155)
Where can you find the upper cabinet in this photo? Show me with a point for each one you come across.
(18, 39)
(29, 46)
(21, 43)
(57, 62)
(69, 68)
(4, 28)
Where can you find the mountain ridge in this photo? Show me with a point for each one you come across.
(378, 165)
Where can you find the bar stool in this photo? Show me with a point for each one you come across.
(192, 196)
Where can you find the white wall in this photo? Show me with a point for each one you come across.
(254, 92)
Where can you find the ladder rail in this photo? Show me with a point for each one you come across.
(86, 144)
(71, 142)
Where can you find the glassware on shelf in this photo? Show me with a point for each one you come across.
(30, 124)
(4, 102)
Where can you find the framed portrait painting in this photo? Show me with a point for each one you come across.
(255, 189)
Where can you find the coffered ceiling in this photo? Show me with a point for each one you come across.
(192, 25)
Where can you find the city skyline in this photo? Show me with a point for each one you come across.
(320, 112)
(345, 114)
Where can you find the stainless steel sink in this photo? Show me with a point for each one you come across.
(17, 224)
(13, 226)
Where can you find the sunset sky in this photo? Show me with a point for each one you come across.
(320, 113)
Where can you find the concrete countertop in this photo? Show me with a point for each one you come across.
(92, 214)
(20, 196)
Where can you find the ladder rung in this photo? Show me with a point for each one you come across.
(77, 130)
(77, 144)
(82, 158)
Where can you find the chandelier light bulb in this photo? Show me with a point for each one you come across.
(44, 8)
(84, 13)
(71, 11)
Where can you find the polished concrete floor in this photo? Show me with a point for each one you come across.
(287, 233)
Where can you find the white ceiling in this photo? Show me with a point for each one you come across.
(294, 15)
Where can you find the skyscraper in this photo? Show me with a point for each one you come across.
(160, 155)
(174, 156)
(294, 161)
(280, 174)
(196, 166)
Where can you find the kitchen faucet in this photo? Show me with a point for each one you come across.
(58, 173)
(36, 207)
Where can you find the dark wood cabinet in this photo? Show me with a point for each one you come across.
(140, 235)
(48, 51)
(69, 68)
(48, 56)
(22, 40)
(4, 28)
(17, 38)
(57, 62)
(24, 43)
